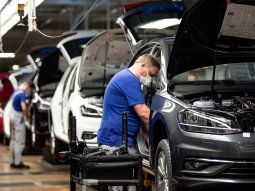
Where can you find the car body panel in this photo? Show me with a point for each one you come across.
(56, 104)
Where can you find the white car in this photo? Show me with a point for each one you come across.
(80, 92)
(51, 64)
(25, 73)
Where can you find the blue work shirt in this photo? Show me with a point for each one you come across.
(19, 96)
(122, 93)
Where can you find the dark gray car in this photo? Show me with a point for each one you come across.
(204, 95)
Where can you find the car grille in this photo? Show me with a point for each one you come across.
(239, 171)
(215, 168)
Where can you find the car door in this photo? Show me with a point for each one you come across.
(57, 101)
(66, 95)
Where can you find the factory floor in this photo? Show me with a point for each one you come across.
(41, 176)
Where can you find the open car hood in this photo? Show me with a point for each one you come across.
(72, 46)
(103, 56)
(147, 20)
(37, 54)
(214, 32)
(50, 72)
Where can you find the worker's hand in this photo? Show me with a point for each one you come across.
(27, 124)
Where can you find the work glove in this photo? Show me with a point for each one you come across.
(27, 124)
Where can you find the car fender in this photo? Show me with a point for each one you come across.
(158, 118)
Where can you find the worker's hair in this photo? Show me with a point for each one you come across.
(24, 85)
(148, 59)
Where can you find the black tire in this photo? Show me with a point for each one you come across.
(163, 167)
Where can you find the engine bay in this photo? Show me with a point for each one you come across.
(235, 108)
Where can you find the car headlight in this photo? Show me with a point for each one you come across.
(90, 112)
(199, 122)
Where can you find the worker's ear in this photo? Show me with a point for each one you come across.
(143, 65)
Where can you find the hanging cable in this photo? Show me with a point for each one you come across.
(85, 16)
(76, 25)
(48, 36)
(22, 43)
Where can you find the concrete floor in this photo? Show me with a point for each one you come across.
(41, 176)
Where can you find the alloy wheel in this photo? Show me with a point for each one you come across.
(162, 170)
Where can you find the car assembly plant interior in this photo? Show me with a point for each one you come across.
(125, 95)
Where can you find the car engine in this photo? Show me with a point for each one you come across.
(236, 108)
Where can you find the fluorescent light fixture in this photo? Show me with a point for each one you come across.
(7, 55)
(161, 24)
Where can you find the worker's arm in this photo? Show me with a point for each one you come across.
(25, 110)
(143, 112)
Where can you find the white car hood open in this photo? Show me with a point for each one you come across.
(105, 55)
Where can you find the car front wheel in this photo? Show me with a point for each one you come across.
(163, 167)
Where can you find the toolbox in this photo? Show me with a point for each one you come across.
(92, 167)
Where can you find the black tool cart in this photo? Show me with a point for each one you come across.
(92, 167)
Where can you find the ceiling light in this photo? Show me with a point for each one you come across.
(161, 24)
(15, 67)
(7, 55)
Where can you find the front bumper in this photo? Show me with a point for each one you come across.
(207, 172)
(207, 160)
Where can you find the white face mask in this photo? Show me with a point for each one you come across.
(146, 81)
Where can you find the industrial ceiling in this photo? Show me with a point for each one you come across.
(55, 17)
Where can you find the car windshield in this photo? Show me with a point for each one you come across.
(75, 47)
(153, 21)
(237, 72)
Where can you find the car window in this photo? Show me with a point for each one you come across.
(157, 80)
(72, 83)
(144, 50)
(66, 80)
(75, 47)
(244, 71)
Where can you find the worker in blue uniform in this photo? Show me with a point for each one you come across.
(19, 118)
(124, 94)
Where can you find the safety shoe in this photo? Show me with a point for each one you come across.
(21, 166)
